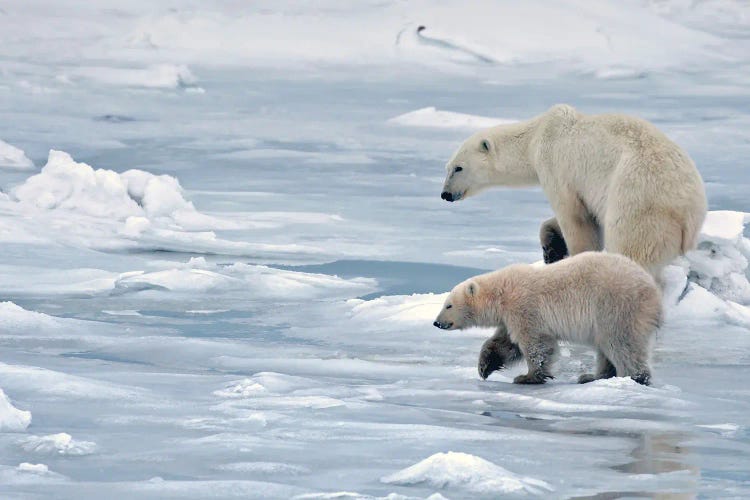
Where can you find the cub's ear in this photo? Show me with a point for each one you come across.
(472, 288)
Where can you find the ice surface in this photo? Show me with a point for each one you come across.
(13, 158)
(227, 281)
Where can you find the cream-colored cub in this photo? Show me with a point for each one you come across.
(599, 299)
(615, 182)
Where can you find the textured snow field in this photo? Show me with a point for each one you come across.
(223, 248)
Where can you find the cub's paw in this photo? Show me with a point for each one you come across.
(586, 378)
(489, 361)
(532, 378)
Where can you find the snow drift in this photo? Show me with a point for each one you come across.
(11, 418)
(13, 158)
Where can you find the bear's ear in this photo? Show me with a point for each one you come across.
(485, 145)
(472, 288)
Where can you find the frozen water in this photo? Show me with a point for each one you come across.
(223, 249)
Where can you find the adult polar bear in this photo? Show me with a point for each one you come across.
(615, 182)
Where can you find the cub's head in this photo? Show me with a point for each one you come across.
(458, 309)
(468, 171)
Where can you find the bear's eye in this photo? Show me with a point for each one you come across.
(486, 146)
(448, 306)
(457, 169)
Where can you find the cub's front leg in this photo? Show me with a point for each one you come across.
(497, 353)
(540, 354)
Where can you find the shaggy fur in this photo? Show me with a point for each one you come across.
(615, 182)
(603, 300)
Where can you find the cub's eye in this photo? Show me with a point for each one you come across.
(457, 169)
(448, 306)
(486, 146)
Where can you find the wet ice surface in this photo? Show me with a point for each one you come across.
(244, 327)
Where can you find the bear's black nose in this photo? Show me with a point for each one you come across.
(447, 196)
(436, 324)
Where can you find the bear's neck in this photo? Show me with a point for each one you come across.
(517, 167)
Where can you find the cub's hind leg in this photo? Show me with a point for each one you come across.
(604, 369)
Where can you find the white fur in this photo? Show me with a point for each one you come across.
(608, 177)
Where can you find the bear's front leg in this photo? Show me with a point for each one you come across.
(553, 243)
(539, 354)
(497, 352)
(579, 227)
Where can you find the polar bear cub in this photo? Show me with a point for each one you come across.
(599, 299)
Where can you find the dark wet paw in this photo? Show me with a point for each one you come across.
(532, 378)
(489, 361)
(554, 253)
(642, 378)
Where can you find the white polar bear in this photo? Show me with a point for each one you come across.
(594, 298)
(615, 182)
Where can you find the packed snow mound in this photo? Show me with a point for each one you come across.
(11, 418)
(66, 184)
(57, 444)
(432, 118)
(36, 468)
(15, 318)
(720, 262)
(13, 158)
(73, 203)
(467, 472)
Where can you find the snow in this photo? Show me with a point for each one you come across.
(223, 279)
(13, 158)
(433, 118)
(11, 418)
(467, 472)
(159, 76)
(60, 444)
(34, 468)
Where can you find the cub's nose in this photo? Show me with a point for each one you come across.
(447, 196)
(436, 324)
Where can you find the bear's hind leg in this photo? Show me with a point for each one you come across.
(497, 352)
(631, 360)
(539, 354)
(604, 369)
(553, 243)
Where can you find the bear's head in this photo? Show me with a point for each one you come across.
(458, 309)
(497, 156)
